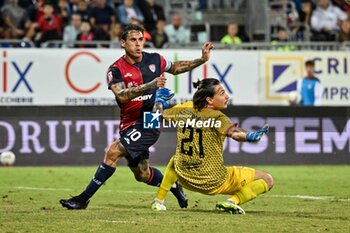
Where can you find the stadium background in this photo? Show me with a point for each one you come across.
(57, 115)
(55, 108)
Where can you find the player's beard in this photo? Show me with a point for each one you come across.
(134, 55)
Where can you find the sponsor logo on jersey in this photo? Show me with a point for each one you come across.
(143, 97)
(127, 75)
(152, 67)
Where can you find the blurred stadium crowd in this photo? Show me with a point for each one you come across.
(82, 23)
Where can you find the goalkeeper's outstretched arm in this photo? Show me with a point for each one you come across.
(242, 135)
(237, 134)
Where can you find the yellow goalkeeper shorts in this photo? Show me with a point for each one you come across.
(237, 177)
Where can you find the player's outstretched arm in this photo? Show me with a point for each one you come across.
(179, 67)
(125, 94)
(242, 135)
(255, 136)
(237, 134)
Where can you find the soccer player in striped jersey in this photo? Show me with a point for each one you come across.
(198, 162)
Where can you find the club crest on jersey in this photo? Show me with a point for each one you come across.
(152, 67)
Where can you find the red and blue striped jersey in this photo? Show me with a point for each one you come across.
(133, 75)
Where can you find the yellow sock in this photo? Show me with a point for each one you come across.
(169, 179)
(250, 191)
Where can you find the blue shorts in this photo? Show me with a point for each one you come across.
(137, 141)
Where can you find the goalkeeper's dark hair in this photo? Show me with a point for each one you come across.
(205, 88)
(131, 27)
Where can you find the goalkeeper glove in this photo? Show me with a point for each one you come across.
(163, 95)
(255, 136)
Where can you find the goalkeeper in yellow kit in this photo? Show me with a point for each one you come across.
(198, 163)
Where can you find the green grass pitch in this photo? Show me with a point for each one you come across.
(304, 199)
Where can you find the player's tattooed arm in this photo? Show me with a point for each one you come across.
(237, 133)
(179, 67)
(125, 94)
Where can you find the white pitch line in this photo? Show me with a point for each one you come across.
(43, 189)
(63, 189)
(116, 221)
(323, 198)
(305, 197)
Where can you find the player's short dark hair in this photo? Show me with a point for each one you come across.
(310, 63)
(130, 27)
(205, 88)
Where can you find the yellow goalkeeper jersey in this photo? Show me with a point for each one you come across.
(199, 160)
